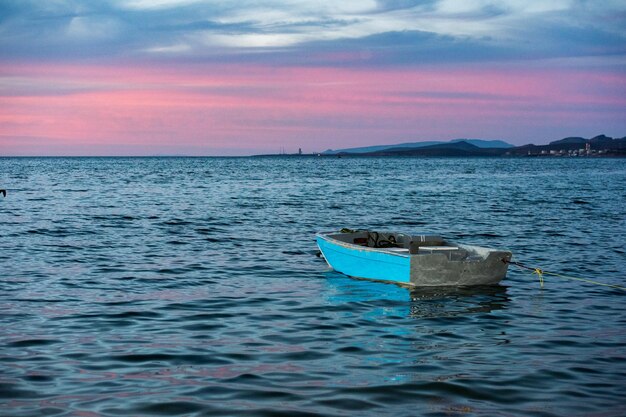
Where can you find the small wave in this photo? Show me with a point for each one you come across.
(32, 343)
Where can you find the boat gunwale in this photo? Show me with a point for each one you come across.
(325, 236)
(352, 246)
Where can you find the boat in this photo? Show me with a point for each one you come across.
(412, 260)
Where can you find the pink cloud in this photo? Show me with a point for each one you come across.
(216, 109)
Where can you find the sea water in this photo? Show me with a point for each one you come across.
(191, 286)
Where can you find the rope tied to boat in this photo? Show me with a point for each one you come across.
(541, 272)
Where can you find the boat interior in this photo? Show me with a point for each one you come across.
(396, 242)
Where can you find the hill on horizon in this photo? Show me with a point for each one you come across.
(608, 146)
(479, 143)
(452, 148)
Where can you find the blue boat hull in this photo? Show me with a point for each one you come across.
(365, 263)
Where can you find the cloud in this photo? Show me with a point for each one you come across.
(97, 109)
(383, 32)
(154, 4)
(78, 74)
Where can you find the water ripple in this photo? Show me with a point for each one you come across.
(194, 289)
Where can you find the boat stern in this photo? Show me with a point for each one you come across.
(437, 269)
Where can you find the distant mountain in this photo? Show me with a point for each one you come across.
(600, 145)
(569, 141)
(602, 139)
(376, 148)
(456, 148)
(486, 144)
(599, 140)
(605, 143)
(480, 143)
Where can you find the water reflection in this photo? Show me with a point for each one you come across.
(457, 301)
(430, 302)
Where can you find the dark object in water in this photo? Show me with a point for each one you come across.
(3, 192)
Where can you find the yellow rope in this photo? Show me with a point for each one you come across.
(541, 273)
(586, 280)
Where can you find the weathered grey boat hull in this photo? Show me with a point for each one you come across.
(437, 270)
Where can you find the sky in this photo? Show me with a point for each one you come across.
(190, 77)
